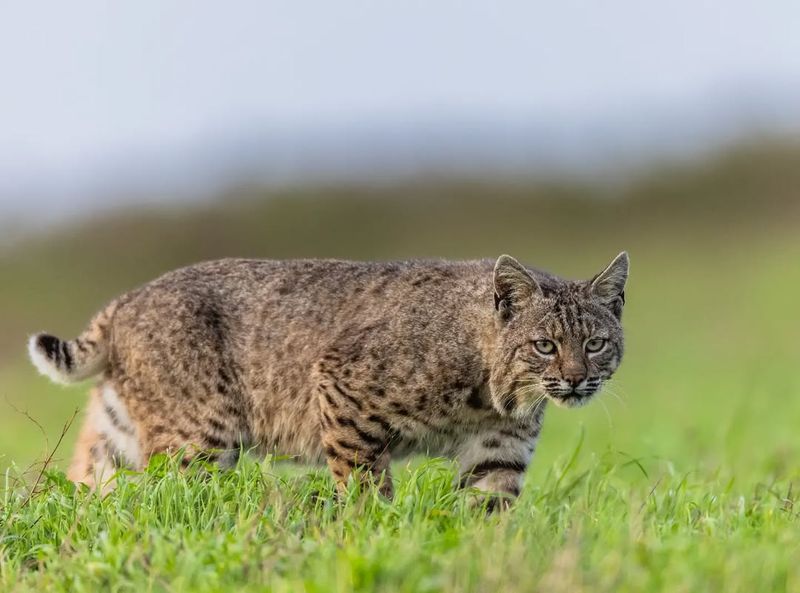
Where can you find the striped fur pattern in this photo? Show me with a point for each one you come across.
(343, 362)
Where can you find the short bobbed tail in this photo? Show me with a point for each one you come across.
(69, 361)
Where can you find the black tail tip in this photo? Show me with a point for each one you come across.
(49, 345)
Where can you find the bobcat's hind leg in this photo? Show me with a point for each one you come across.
(214, 430)
(107, 441)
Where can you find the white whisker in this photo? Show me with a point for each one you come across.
(608, 414)
(618, 388)
(611, 392)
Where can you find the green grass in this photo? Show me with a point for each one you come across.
(602, 525)
(682, 477)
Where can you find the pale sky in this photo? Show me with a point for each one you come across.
(86, 83)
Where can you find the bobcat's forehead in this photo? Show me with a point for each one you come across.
(567, 313)
(565, 317)
(576, 318)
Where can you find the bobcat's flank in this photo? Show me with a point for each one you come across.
(342, 361)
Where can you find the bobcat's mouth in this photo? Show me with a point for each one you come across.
(573, 398)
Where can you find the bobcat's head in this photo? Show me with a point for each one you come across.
(558, 339)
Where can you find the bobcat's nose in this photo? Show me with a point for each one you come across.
(574, 378)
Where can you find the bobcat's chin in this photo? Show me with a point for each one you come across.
(571, 400)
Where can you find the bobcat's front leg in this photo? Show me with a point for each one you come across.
(495, 461)
(352, 435)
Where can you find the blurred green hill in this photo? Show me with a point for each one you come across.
(715, 248)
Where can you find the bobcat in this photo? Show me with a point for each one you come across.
(340, 361)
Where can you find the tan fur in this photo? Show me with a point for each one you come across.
(80, 469)
(340, 361)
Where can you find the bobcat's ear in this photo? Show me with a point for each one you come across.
(609, 285)
(513, 285)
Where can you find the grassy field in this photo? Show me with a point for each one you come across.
(682, 477)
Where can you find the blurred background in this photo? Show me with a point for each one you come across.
(138, 137)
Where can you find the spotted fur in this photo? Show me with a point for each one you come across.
(350, 363)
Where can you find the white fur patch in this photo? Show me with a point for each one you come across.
(499, 482)
(473, 451)
(122, 434)
(43, 364)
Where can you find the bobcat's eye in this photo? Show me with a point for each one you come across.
(544, 346)
(595, 345)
